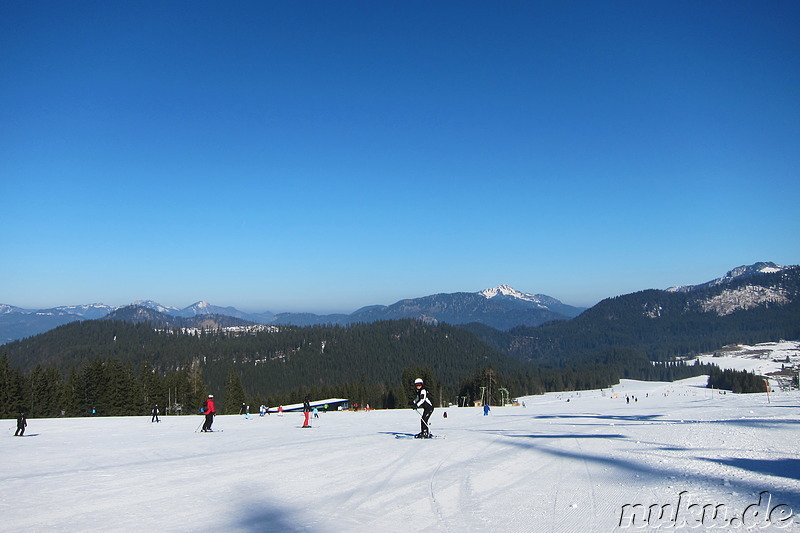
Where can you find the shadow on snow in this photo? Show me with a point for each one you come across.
(787, 468)
(266, 518)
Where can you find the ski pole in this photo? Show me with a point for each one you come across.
(427, 424)
(198, 427)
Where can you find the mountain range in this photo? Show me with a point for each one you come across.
(650, 334)
(750, 304)
(502, 308)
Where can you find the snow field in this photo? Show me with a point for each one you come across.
(554, 465)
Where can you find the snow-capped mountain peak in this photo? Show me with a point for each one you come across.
(155, 306)
(512, 296)
(506, 290)
(83, 309)
(744, 271)
(757, 268)
(501, 289)
(200, 308)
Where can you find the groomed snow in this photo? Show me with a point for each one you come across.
(565, 462)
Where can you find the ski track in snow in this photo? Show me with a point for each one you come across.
(552, 466)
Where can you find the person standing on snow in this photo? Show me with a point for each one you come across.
(155, 414)
(306, 412)
(423, 402)
(22, 423)
(209, 411)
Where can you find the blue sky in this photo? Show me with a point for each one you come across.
(322, 156)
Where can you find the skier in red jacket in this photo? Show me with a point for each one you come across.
(306, 412)
(208, 409)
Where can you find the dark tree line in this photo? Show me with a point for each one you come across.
(100, 387)
(115, 368)
(738, 381)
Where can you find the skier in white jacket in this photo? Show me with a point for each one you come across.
(423, 402)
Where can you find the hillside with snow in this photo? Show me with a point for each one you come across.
(641, 456)
(738, 273)
(777, 361)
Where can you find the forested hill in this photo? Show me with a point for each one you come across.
(366, 361)
(123, 368)
(660, 324)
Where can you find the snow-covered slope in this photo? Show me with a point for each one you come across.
(743, 288)
(778, 361)
(743, 298)
(566, 463)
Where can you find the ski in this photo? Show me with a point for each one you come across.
(412, 436)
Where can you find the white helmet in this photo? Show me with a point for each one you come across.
(418, 380)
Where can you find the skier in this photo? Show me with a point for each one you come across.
(486, 409)
(22, 423)
(209, 411)
(306, 412)
(155, 414)
(422, 401)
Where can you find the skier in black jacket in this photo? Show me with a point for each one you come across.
(22, 423)
(423, 402)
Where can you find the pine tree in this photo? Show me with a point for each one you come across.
(44, 392)
(11, 389)
(234, 392)
(71, 402)
(151, 386)
(423, 372)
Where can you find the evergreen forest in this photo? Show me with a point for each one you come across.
(110, 368)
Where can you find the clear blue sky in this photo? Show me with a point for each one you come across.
(322, 156)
